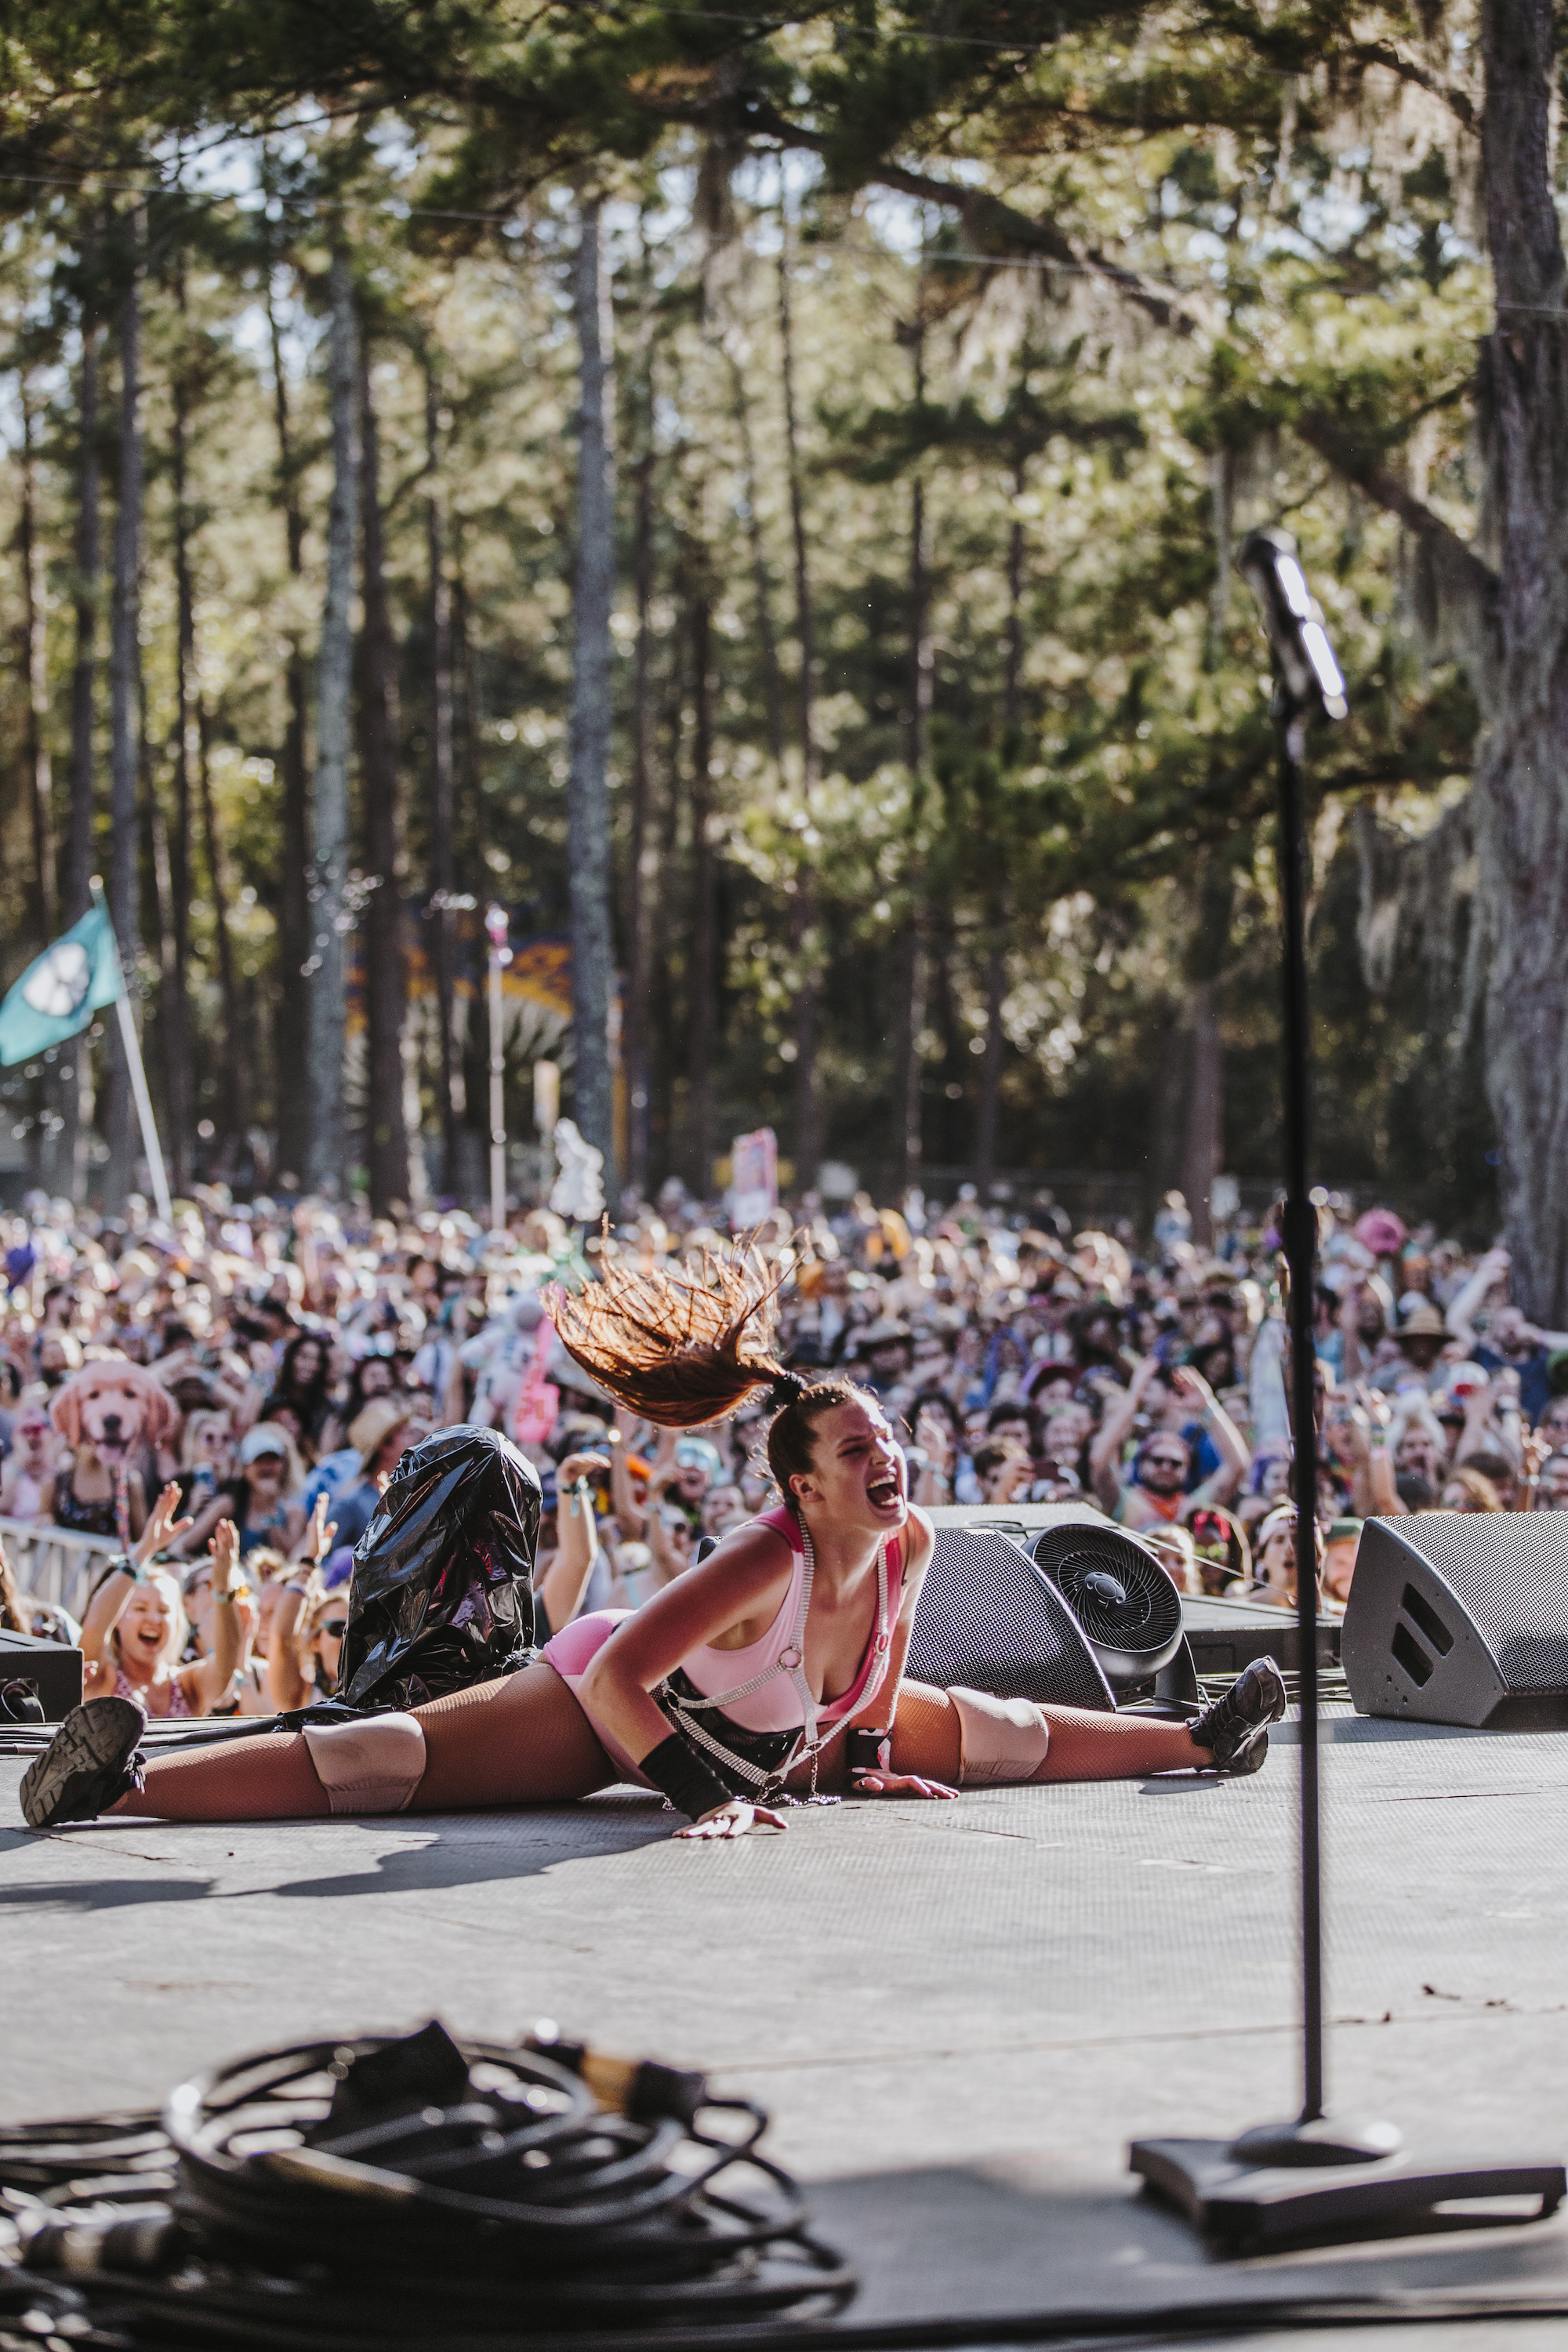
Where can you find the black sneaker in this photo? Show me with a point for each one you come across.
(1235, 1729)
(89, 1763)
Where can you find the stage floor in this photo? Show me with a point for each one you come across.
(958, 2014)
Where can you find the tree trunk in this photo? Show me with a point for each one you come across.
(909, 981)
(1524, 774)
(292, 1031)
(386, 1139)
(75, 1076)
(443, 796)
(39, 782)
(124, 728)
(1013, 680)
(35, 662)
(168, 1029)
(588, 814)
(910, 962)
(1202, 1136)
(700, 985)
(176, 1006)
(327, 1165)
(642, 864)
(235, 1095)
(662, 1022)
(1208, 953)
(762, 587)
(804, 940)
(991, 1070)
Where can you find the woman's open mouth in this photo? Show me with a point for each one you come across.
(884, 1493)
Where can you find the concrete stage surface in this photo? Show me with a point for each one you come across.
(957, 2013)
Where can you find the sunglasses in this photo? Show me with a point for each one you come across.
(334, 1627)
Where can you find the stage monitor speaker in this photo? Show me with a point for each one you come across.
(989, 1620)
(37, 1675)
(1225, 1636)
(1460, 1617)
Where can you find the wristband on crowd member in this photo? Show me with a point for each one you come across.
(683, 1777)
(866, 1750)
(123, 1564)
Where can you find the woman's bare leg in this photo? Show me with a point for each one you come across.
(1084, 1745)
(267, 1779)
(521, 1741)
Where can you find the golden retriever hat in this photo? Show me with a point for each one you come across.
(115, 1405)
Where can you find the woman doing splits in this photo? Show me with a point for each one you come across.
(772, 1669)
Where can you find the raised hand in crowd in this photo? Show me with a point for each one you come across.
(559, 1591)
(290, 1681)
(1372, 1491)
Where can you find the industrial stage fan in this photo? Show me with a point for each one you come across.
(1128, 1611)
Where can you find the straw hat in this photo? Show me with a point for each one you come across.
(370, 1429)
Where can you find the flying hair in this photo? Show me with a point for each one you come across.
(678, 1350)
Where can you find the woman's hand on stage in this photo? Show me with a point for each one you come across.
(898, 1784)
(734, 1821)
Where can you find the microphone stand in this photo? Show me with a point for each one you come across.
(1311, 2179)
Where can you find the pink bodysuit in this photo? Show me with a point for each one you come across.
(763, 1685)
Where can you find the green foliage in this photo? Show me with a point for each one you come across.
(1171, 274)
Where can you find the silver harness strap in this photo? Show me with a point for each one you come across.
(790, 1661)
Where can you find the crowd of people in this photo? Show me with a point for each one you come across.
(219, 1405)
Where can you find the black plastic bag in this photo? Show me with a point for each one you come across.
(442, 1591)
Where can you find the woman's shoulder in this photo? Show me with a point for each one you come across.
(752, 1564)
(917, 1540)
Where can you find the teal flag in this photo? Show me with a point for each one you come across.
(60, 993)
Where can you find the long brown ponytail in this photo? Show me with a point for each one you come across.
(682, 1351)
(678, 1350)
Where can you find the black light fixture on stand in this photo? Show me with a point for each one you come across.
(1311, 2178)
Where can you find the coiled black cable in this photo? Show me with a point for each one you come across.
(422, 2190)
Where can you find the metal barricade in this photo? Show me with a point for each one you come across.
(56, 1564)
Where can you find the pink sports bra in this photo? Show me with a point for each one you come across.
(763, 1687)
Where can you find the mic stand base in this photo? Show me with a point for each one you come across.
(1303, 2184)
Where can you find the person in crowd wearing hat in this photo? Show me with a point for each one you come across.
(381, 1435)
(1274, 1560)
(372, 1377)
(261, 1498)
(1421, 1335)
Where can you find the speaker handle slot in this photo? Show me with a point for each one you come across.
(1408, 1650)
(1425, 1620)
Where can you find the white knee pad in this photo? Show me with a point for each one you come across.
(372, 1767)
(999, 1739)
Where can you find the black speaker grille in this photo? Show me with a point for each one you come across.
(1510, 1570)
(988, 1619)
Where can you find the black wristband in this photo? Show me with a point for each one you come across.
(866, 1750)
(684, 1777)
